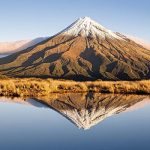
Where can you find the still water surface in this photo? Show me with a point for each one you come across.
(75, 122)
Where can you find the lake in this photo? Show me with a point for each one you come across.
(75, 122)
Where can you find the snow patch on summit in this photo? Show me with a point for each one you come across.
(87, 27)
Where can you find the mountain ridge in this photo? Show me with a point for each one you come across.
(15, 46)
(83, 51)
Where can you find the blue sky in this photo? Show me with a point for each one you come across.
(26, 19)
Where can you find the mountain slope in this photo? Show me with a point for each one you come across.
(83, 51)
(12, 47)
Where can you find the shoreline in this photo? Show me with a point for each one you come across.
(37, 87)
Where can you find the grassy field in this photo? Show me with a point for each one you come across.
(37, 87)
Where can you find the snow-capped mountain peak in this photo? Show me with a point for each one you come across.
(87, 27)
(83, 51)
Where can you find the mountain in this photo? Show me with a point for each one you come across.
(12, 47)
(140, 41)
(85, 50)
(88, 109)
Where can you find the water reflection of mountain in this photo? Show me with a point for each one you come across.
(86, 110)
(24, 101)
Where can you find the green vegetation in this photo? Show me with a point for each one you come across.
(37, 87)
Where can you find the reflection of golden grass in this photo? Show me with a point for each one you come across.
(35, 86)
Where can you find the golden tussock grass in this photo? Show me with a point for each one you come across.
(37, 87)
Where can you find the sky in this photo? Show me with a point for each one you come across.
(27, 19)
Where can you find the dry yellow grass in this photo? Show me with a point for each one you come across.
(37, 87)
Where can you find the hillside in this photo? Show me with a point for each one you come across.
(83, 51)
(12, 47)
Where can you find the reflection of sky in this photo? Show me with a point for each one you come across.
(26, 127)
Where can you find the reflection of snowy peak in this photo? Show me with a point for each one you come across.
(87, 110)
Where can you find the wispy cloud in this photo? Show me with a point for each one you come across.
(140, 41)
